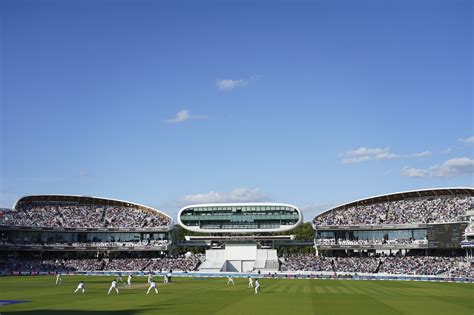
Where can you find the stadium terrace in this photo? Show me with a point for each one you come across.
(429, 220)
(422, 233)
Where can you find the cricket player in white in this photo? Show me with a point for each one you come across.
(150, 278)
(250, 282)
(257, 286)
(152, 286)
(230, 280)
(113, 286)
(129, 281)
(165, 279)
(58, 278)
(80, 286)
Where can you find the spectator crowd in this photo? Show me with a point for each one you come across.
(74, 215)
(307, 263)
(407, 265)
(332, 241)
(181, 263)
(143, 244)
(442, 209)
(392, 265)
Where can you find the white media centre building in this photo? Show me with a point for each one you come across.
(239, 227)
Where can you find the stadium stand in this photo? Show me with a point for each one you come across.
(415, 233)
(78, 212)
(306, 263)
(403, 265)
(88, 244)
(70, 216)
(417, 210)
(179, 263)
(331, 241)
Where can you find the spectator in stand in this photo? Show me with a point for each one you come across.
(306, 263)
(331, 241)
(397, 265)
(73, 215)
(407, 265)
(422, 210)
(181, 263)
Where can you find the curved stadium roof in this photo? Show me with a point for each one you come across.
(422, 193)
(89, 200)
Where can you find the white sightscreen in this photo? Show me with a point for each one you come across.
(240, 252)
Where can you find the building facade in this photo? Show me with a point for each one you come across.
(240, 217)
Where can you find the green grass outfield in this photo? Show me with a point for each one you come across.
(212, 296)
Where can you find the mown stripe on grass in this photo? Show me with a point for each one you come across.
(345, 290)
(332, 290)
(351, 288)
(293, 288)
(364, 290)
(385, 291)
(281, 288)
(394, 291)
(318, 290)
(213, 296)
(307, 289)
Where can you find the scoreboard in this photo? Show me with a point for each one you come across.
(445, 235)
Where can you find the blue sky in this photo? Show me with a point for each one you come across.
(166, 103)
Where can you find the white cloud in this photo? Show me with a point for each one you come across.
(184, 115)
(386, 156)
(447, 150)
(469, 140)
(414, 172)
(181, 116)
(230, 84)
(456, 167)
(421, 154)
(235, 195)
(366, 154)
